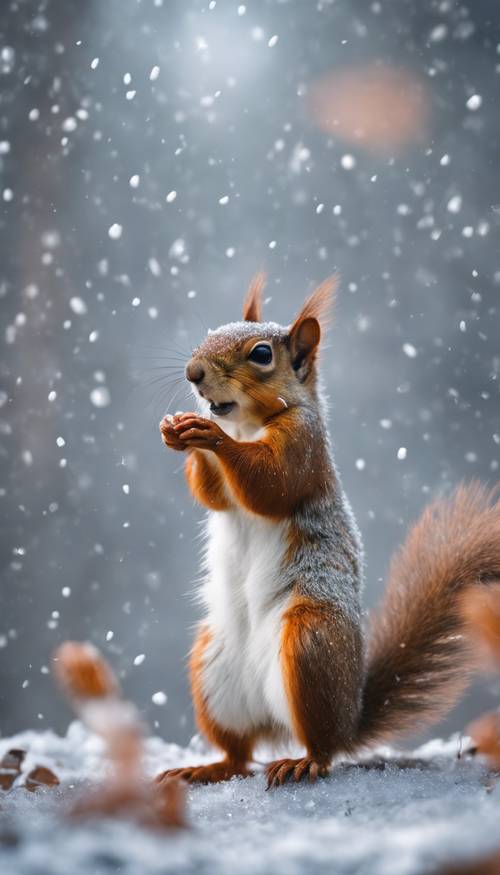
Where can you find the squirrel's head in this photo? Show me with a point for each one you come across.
(252, 370)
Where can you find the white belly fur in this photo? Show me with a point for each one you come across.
(242, 679)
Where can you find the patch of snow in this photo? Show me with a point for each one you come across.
(154, 266)
(69, 124)
(455, 204)
(348, 162)
(400, 817)
(474, 102)
(257, 34)
(438, 33)
(409, 350)
(115, 231)
(78, 305)
(100, 396)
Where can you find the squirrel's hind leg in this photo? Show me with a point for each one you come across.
(321, 661)
(238, 748)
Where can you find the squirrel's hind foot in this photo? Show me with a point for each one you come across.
(212, 773)
(280, 771)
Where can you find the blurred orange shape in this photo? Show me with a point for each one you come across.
(485, 866)
(482, 609)
(90, 684)
(82, 672)
(485, 734)
(378, 107)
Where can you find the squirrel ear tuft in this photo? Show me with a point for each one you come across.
(252, 307)
(320, 304)
(305, 333)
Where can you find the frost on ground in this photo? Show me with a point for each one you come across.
(407, 817)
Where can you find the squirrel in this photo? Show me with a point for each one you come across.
(281, 653)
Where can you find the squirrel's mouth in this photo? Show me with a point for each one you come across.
(223, 408)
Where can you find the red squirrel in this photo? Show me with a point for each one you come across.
(281, 651)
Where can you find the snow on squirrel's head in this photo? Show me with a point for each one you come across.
(252, 370)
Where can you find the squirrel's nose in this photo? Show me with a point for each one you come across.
(194, 372)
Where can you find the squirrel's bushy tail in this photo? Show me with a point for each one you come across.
(419, 659)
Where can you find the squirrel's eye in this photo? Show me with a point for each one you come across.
(261, 354)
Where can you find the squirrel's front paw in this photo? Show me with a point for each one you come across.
(169, 435)
(196, 432)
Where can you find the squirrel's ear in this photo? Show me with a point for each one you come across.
(304, 340)
(319, 305)
(252, 307)
(305, 333)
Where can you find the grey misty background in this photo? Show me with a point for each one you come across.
(414, 357)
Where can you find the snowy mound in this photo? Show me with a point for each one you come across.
(400, 816)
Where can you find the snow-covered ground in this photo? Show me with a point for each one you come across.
(401, 819)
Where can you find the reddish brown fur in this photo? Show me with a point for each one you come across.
(321, 658)
(483, 866)
(268, 477)
(324, 714)
(306, 330)
(203, 473)
(419, 659)
(206, 482)
(320, 304)
(252, 307)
